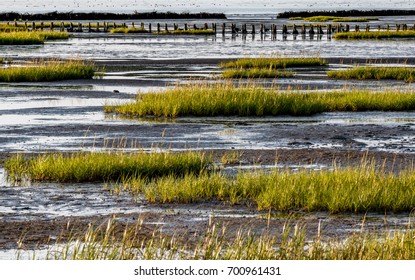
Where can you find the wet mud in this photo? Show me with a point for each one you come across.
(67, 116)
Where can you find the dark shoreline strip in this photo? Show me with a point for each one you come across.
(11, 16)
(347, 13)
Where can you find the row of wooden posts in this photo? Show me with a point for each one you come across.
(233, 28)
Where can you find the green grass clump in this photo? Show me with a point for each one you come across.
(228, 100)
(379, 73)
(275, 63)
(129, 30)
(46, 71)
(256, 73)
(374, 35)
(103, 242)
(100, 167)
(333, 18)
(30, 38)
(352, 189)
(188, 32)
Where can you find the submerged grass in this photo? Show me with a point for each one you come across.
(30, 38)
(350, 189)
(368, 72)
(46, 71)
(374, 35)
(100, 166)
(253, 73)
(228, 100)
(275, 62)
(217, 243)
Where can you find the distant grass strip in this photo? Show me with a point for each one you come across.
(48, 71)
(30, 38)
(333, 18)
(379, 73)
(274, 63)
(100, 166)
(188, 32)
(352, 189)
(256, 73)
(374, 35)
(227, 100)
(129, 30)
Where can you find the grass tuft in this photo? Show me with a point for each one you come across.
(129, 30)
(253, 73)
(188, 32)
(100, 167)
(351, 189)
(30, 38)
(374, 35)
(228, 100)
(334, 19)
(46, 71)
(379, 73)
(109, 242)
(275, 63)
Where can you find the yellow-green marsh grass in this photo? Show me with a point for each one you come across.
(275, 62)
(228, 100)
(46, 71)
(350, 189)
(216, 242)
(334, 19)
(101, 166)
(253, 73)
(187, 32)
(379, 73)
(374, 35)
(129, 30)
(30, 38)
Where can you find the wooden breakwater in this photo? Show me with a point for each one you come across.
(214, 28)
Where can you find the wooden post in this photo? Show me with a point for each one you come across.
(206, 26)
(97, 26)
(166, 27)
(25, 25)
(398, 27)
(223, 28)
(185, 27)
(105, 26)
(367, 27)
(195, 27)
(52, 27)
(149, 27)
(329, 29)
(62, 26)
(158, 27)
(379, 27)
(33, 26)
(303, 29)
(133, 25)
(89, 27)
(284, 30)
(253, 29)
(214, 27)
(387, 27)
(347, 28)
(175, 27)
(356, 28)
(80, 27)
(311, 31)
(261, 29)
